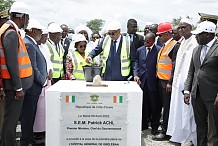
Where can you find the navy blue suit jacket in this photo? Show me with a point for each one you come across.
(144, 66)
(39, 66)
(110, 65)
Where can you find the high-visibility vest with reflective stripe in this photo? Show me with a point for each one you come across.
(164, 63)
(56, 59)
(25, 67)
(124, 56)
(78, 63)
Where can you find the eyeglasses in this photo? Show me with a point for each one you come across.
(112, 33)
(147, 41)
(82, 46)
(83, 32)
(162, 34)
(182, 27)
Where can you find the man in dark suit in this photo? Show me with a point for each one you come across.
(65, 42)
(116, 54)
(17, 75)
(27, 117)
(144, 70)
(202, 82)
(136, 39)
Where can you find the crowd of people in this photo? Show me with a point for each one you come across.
(175, 67)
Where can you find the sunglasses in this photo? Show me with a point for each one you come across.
(147, 41)
(162, 34)
(83, 32)
(182, 27)
(82, 46)
(95, 37)
(111, 33)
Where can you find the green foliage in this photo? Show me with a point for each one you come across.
(95, 25)
(5, 4)
(175, 22)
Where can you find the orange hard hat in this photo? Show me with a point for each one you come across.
(164, 27)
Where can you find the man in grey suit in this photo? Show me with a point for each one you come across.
(27, 117)
(16, 69)
(202, 82)
(3, 18)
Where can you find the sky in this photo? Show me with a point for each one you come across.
(78, 12)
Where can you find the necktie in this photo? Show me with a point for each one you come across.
(57, 48)
(114, 48)
(203, 53)
(131, 37)
(62, 42)
(149, 49)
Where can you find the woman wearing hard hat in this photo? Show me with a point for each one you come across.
(76, 59)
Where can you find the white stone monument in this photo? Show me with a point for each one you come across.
(77, 114)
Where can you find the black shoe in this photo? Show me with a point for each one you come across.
(161, 137)
(154, 131)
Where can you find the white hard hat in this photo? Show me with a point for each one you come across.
(33, 23)
(79, 38)
(205, 26)
(44, 30)
(113, 25)
(54, 28)
(83, 27)
(19, 7)
(186, 20)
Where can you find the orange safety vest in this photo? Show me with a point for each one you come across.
(25, 68)
(164, 63)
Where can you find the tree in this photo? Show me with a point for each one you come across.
(175, 21)
(95, 25)
(5, 4)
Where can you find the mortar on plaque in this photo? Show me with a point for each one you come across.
(93, 74)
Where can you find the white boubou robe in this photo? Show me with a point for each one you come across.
(181, 125)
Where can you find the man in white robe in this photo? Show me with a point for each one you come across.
(181, 125)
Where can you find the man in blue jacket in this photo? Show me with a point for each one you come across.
(144, 70)
(27, 117)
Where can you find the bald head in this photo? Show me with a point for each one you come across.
(153, 28)
(149, 39)
(65, 30)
